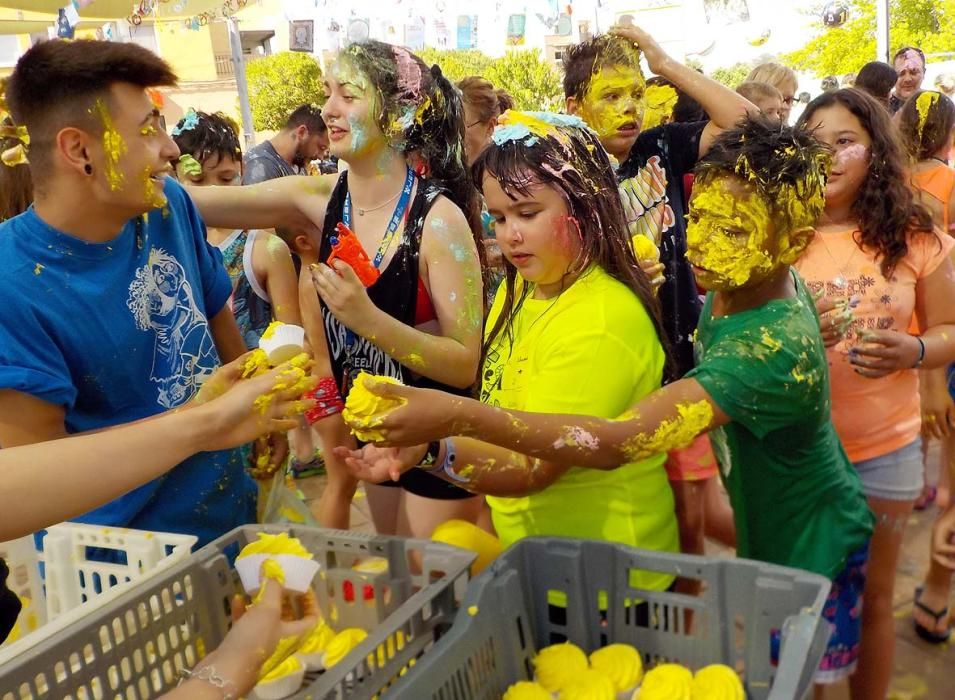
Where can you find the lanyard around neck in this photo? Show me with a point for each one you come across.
(396, 218)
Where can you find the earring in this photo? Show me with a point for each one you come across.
(88, 169)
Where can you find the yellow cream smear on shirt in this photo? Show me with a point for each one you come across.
(717, 682)
(342, 644)
(691, 420)
(364, 410)
(620, 663)
(589, 685)
(286, 668)
(113, 145)
(275, 544)
(527, 690)
(667, 682)
(558, 665)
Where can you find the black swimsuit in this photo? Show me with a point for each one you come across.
(395, 293)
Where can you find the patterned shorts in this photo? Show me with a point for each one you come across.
(843, 612)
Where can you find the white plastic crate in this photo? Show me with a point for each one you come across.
(72, 584)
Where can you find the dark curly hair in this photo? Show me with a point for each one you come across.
(924, 136)
(569, 158)
(787, 166)
(204, 136)
(885, 208)
(420, 112)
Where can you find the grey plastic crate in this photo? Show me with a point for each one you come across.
(134, 647)
(491, 647)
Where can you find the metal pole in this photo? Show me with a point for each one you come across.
(238, 62)
(882, 30)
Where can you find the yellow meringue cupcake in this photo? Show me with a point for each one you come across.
(589, 685)
(364, 410)
(621, 663)
(558, 665)
(527, 690)
(666, 682)
(313, 646)
(717, 682)
(342, 644)
(282, 681)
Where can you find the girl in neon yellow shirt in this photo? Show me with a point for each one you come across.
(574, 328)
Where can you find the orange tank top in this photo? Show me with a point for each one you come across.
(938, 183)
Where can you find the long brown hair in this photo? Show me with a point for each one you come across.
(571, 160)
(885, 207)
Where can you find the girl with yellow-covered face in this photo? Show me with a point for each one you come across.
(614, 106)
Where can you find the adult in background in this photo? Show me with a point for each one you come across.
(780, 77)
(304, 139)
(909, 62)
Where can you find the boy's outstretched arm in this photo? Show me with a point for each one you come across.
(503, 452)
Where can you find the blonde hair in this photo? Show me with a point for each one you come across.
(489, 103)
(774, 74)
(753, 90)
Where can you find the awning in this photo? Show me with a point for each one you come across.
(120, 9)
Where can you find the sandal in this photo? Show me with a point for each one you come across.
(930, 636)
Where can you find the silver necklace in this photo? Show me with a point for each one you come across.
(362, 212)
(840, 280)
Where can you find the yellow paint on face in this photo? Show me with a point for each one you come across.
(114, 147)
(155, 199)
(616, 97)
(728, 236)
(661, 99)
(923, 104)
(691, 420)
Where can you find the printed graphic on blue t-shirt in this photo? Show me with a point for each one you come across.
(118, 331)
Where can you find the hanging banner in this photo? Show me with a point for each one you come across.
(414, 35)
(467, 31)
(516, 27)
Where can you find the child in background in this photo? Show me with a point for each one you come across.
(264, 283)
(763, 95)
(761, 386)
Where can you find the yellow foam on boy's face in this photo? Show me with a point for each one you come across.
(114, 147)
(728, 235)
(616, 97)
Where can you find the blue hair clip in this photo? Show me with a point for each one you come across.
(189, 122)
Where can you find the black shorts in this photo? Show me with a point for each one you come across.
(421, 483)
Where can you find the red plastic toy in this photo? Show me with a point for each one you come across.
(347, 248)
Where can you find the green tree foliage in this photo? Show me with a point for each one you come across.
(733, 75)
(456, 63)
(533, 82)
(280, 83)
(929, 24)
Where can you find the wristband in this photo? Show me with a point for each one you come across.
(212, 677)
(918, 362)
(430, 457)
(447, 464)
(328, 401)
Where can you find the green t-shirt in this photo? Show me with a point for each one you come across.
(797, 501)
(591, 351)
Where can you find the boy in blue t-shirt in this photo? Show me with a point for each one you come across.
(115, 306)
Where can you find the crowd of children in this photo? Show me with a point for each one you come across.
(589, 392)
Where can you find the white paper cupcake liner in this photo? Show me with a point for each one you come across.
(280, 687)
(286, 342)
(299, 572)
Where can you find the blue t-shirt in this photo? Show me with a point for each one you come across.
(118, 331)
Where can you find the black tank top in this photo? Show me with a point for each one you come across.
(395, 293)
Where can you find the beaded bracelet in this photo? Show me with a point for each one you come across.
(209, 675)
(328, 401)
